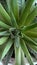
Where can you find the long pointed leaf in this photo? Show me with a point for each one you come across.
(22, 58)
(31, 34)
(8, 56)
(3, 25)
(17, 52)
(21, 6)
(8, 5)
(13, 19)
(34, 52)
(25, 50)
(4, 33)
(34, 29)
(28, 39)
(1, 18)
(5, 15)
(15, 8)
(17, 55)
(14, 22)
(29, 27)
(6, 48)
(26, 12)
(3, 40)
(33, 47)
(31, 16)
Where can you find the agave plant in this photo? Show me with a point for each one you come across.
(18, 31)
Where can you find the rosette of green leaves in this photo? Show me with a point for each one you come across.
(17, 30)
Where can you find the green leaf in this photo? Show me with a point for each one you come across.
(32, 47)
(13, 19)
(17, 55)
(15, 8)
(26, 12)
(1, 18)
(22, 58)
(8, 5)
(3, 40)
(31, 16)
(1, 29)
(17, 41)
(31, 34)
(22, 4)
(5, 15)
(17, 51)
(28, 39)
(29, 27)
(4, 33)
(3, 25)
(34, 29)
(25, 50)
(1, 49)
(6, 48)
(32, 7)
(13, 5)
(8, 56)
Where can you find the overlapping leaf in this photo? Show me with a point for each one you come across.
(26, 12)
(31, 16)
(13, 11)
(3, 25)
(6, 48)
(20, 13)
(8, 56)
(28, 39)
(27, 28)
(23, 45)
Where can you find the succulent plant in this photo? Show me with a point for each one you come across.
(18, 31)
